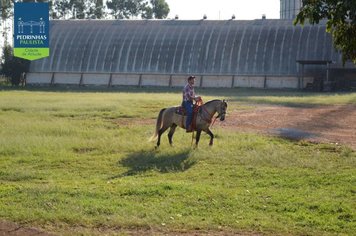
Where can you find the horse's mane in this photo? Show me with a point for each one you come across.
(211, 101)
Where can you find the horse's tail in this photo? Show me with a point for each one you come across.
(158, 124)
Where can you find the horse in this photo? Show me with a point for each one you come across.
(168, 118)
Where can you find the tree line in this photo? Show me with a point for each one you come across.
(96, 9)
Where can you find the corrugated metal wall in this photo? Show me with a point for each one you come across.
(289, 8)
(258, 47)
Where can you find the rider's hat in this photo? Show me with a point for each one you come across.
(191, 77)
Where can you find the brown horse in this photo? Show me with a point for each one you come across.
(168, 118)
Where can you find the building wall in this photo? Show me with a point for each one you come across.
(165, 80)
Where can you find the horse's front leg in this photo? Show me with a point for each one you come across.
(211, 136)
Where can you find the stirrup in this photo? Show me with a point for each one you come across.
(189, 130)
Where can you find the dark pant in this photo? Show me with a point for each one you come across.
(188, 106)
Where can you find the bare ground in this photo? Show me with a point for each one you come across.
(12, 229)
(327, 124)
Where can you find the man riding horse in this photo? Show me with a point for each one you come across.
(188, 98)
(171, 117)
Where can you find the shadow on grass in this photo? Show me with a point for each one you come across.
(143, 161)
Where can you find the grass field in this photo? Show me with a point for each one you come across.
(73, 162)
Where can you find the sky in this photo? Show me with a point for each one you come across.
(223, 9)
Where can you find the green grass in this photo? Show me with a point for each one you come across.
(68, 165)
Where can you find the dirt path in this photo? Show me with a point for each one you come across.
(330, 124)
(12, 229)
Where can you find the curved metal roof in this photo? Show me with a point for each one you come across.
(257, 47)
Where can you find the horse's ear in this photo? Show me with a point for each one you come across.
(225, 101)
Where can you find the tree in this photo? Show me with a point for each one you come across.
(6, 7)
(160, 9)
(124, 9)
(34, 0)
(95, 9)
(13, 67)
(341, 22)
(78, 9)
(6, 14)
(99, 9)
(59, 9)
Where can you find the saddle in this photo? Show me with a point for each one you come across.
(181, 111)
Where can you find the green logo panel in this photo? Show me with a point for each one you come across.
(31, 53)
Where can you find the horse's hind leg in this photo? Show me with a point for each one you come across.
(160, 132)
(171, 132)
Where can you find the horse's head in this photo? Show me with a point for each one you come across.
(221, 109)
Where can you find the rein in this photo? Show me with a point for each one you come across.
(210, 121)
(214, 121)
(211, 117)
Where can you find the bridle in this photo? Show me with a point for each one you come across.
(221, 113)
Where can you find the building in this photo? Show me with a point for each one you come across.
(289, 8)
(232, 53)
